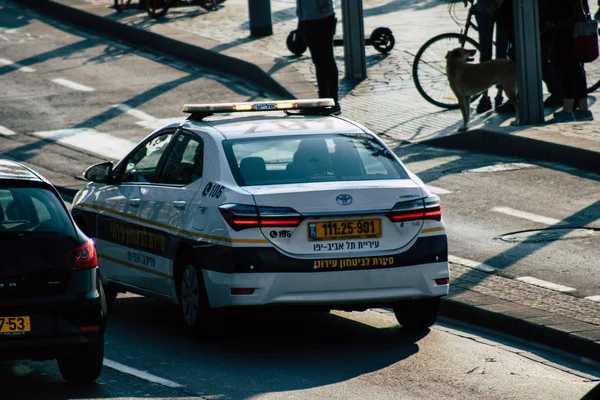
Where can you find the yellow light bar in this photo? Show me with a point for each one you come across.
(258, 106)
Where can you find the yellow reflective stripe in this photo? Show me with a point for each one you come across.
(170, 228)
(436, 229)
(126, 264)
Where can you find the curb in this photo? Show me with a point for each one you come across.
(520, 328)
(161, 43)
(515, 145)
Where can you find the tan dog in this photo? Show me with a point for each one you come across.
(467, 79)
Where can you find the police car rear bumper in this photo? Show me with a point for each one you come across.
(366, 287)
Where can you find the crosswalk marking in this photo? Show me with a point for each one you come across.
(526, 215)
(548, 285)
(6, 132)
(73, 85)
(17, 66)
(147, 120)
(90, 140)
(593, 298)
(437, 190)
(142, 116)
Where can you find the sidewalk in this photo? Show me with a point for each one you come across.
(387, 103)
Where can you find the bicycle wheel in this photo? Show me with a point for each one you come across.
(429, 68)
(592, 72)
(120, 5)
(157, 8)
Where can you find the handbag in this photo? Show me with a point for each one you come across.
(585, 38)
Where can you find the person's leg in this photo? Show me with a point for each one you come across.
(562, 57)
(485, 26)
(501, 52)
(581, 97)
(549, 75)
(319, 39)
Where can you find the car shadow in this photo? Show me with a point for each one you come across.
(280, 350)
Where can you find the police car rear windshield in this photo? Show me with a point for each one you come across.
(310, 158)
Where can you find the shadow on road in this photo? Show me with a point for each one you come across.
(265, 351)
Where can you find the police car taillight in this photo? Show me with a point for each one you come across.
(427, 208)
(241, 216)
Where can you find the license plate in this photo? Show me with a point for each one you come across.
(350, 229)
(14, 325)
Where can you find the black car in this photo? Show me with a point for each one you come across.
(52, 304)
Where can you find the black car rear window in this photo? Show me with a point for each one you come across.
(33, 210)
(310, 158)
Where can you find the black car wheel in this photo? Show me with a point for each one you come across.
(85, 366)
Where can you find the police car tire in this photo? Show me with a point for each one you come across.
(193, 301)
(416, 315)
(110, 294)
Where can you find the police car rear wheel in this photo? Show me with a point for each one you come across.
(190, 295)
(416, 315)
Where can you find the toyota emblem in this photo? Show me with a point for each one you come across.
(343, 199)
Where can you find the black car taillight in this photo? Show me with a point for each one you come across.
(240, 216)
(83, 256)
(427, 208)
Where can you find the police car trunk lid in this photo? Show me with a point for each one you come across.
(340, 217)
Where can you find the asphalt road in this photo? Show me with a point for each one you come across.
(75, 99)
(305, 356)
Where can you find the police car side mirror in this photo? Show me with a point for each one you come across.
(99, 173)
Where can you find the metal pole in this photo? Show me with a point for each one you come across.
(529, 67)
(260, 18)
(354, 40)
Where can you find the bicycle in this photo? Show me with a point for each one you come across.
(158, 8)
(429, 67)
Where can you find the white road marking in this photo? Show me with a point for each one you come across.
(548, 285)
(147, 120)
(6, 132)
(140, 374)
(103, 144)
(593, 298)
(16, 66)
(159, 123)
(142, 116)
(470, 263)
(73, 85)
(437, 190)
(501, 167)
(525, 215)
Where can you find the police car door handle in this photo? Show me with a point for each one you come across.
(134, 202)
(179, 204)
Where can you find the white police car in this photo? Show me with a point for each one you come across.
(267, 209)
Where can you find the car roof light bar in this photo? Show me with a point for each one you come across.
(200, 111)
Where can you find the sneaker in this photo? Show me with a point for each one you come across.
(553, 101)
(583, 115)
(485, 104)
(562, 116)
(498, 100)
(506, 108)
